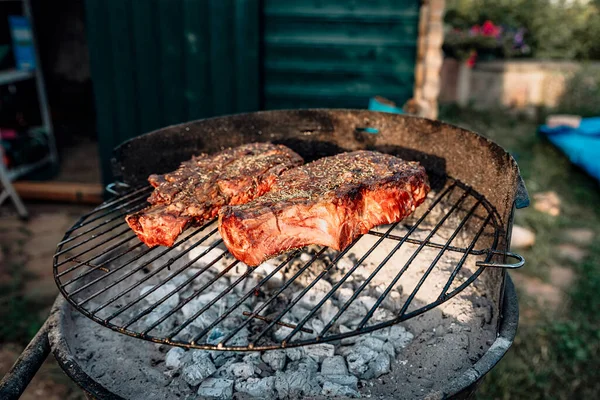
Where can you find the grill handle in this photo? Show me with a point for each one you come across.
(15, 381)
(117, 188)
(522, 196)
(520, 260)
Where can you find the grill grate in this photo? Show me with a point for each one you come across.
(196, 294)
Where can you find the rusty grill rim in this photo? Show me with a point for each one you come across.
(139, 193)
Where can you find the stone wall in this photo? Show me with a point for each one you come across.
(429, 58)
(516, 84)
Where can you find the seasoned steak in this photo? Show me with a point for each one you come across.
(199, 187)
(328, 202)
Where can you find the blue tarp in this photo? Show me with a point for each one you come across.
(581, 145)
(376, 105)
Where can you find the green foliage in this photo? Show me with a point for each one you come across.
(582, 93)
(555, 29)
(459, 46)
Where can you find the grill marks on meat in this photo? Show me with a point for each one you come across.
(328, 202)
(194, 192)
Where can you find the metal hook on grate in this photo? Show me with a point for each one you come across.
(520, 260)
(117, 188)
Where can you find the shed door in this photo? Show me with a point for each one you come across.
(332, 53)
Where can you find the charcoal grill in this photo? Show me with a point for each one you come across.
(105, 273)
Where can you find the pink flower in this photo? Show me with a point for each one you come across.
(489, 29)
(472, 59)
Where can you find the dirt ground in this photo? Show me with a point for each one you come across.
(28, 288)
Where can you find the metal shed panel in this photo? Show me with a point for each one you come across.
(328, 53)
(157, 62)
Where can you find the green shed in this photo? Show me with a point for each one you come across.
(161, 62)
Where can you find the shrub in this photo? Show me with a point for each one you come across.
(553, 29)
(582, 93)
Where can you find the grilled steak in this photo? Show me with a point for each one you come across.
(329, 202)
(199, 187)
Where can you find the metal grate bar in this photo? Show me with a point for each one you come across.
(87, 222)
(389, 256)
(196, 293)
(324, 272)
(464, 258)
(158, 270)
(118, 200)
(88, 262)
(207, 306)
(71, 258)
(139, 268)
(427, 272)
(101, 265)
(274, 296)
(92, 237)
(162, 267)
(429, 244)
(108, 221)
(110, 260)
(214, 300)
(245, 297)
(337, 285)
(454, 292)
(186, 301)
(220, 295)
(182, 285)
(285, 324)
(438, 302)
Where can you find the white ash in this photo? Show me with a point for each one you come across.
(213, 388)
(242, 370)
(275, 359)
(341, 379)
(319, 352)
(160, 292)
(335, 365)
(389, 349)
(329, 310)
(343, 368)
(295, 353)
(294, 384)
(358, 360)
(373, 343)
(195, 373)
(173, 358)
(307, 364)
(252, 358)
(380, 365)
(331, 389)
(262, 388)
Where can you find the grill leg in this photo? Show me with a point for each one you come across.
(13, 384)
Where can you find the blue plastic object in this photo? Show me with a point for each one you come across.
(581, 145)
(22, 38)
(376, 105)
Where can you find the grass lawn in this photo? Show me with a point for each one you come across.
(556, 352)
